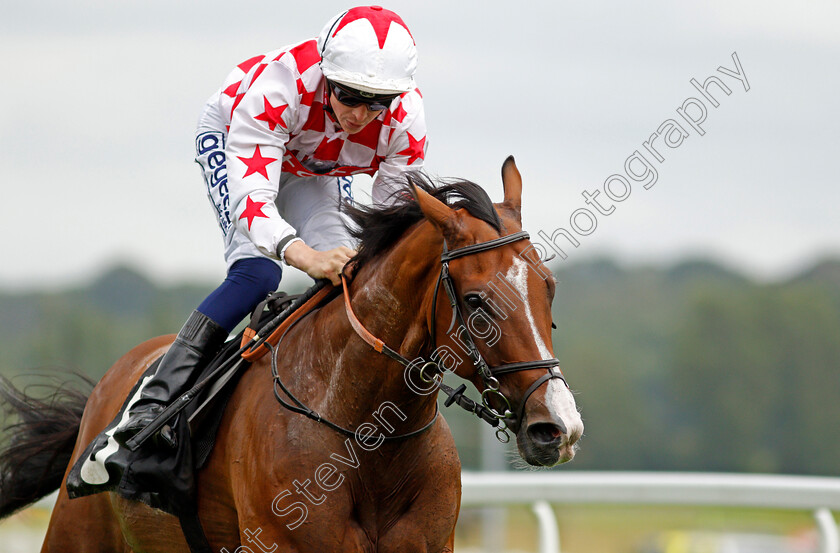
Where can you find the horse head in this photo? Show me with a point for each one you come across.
(498, 335)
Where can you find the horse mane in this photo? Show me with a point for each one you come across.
(376, 228)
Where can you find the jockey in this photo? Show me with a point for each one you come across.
(278, 144)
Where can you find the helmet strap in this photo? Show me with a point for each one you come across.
(327, 105)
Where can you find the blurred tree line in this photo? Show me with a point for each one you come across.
(692, 367)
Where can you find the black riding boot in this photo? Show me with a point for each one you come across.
(196, 344)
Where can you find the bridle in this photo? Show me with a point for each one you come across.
(484, 410)
(491, 393)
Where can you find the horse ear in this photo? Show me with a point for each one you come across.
(512, 183)
(440, 214)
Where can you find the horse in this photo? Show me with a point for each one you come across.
(279, 481)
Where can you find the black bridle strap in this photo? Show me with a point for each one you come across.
(454, 395)
(533, 388)
(483, 246)
(467, 341)
(524, 366)
(486, 372)
(445, 279)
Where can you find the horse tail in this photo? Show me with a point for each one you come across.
(35, 450)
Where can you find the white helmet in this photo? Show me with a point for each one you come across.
(369, 48)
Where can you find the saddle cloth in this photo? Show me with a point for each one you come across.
(160, 478)
(165, 478)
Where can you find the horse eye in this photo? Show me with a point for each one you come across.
(473, 300)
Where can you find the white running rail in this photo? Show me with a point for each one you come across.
(821, 495)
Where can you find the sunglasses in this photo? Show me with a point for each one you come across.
(352, 98)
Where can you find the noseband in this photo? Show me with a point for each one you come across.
(491, 393)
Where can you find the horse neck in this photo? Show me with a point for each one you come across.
(392, 296)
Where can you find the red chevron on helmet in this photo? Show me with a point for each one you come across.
(369, 48)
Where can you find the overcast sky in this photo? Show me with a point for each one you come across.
(99, 101)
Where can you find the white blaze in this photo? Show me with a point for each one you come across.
(558, 398)
(561, 405)
(517, 275)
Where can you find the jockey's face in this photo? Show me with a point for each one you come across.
(352, 120)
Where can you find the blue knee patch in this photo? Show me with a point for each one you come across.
(248, 282)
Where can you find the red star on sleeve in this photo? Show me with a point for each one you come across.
(252, 211)
(258, 163)
(272, 115)
(414, 150)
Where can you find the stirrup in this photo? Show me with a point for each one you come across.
(165, 436)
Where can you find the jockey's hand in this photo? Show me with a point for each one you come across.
(317, 264)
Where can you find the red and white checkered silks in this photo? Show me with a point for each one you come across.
(272, 110)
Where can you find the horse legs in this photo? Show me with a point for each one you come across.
(411, 538)
(432, 516)
(84, 525)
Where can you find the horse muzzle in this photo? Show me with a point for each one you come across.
(551, 427)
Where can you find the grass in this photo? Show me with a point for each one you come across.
(24, 532)
(583, 528)
(636, 529)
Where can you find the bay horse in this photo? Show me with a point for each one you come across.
(278, 481)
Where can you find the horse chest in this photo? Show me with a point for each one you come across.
(371, 499)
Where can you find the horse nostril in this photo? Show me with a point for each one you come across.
(545, 433)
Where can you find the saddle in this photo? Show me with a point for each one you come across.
(165, 478)
(270, 319)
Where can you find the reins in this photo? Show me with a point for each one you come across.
(301, 408)
(455, 395)
(274, 332)
(484, 410)
(304, 410)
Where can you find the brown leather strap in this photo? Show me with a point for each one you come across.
(274, 337)
(363, 333)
